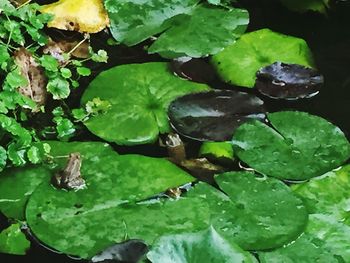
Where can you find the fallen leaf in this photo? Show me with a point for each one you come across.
(87, 16)
(75, 48)
(34, 74)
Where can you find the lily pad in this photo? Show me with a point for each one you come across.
(87, 221)
(327, 199)
(203, 246)
(17, 184)
(298, 146)
(13, 241)
(180, 24)
(90, 222)
(329, 194)
(306, 249)
(237, 64)
(335, 234)
(139, 95)
(288, 81)
(213, 115)
(257, 213)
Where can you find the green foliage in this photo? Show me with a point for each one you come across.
(180, 24)
(13, 241)
(21, 28)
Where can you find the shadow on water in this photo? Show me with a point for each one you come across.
(328, 37)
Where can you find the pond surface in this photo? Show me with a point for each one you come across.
(329, 39)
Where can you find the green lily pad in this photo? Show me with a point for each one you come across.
(298, 146)
(87, 221)
(203, 246)
(139, 95)
(180, 24)
(327, 199)
(237, 64)
(17, 184)
(13, 241)
(257, 213)
(336, 234)
(94, 222)
(329, 194)
(306, 249)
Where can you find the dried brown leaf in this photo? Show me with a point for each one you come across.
(34, 74)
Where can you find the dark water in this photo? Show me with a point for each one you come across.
(328, 37)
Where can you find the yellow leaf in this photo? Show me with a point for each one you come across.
(85, 16)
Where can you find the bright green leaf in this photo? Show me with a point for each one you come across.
(139, 95)
(13, 241)
(238, 63)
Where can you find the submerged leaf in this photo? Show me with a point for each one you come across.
(307, 5)
(288, 81)
(203, 246)
(129, 251)
(13, 241)
(213, 115)
(139, 95)
(298, 146)
(238, 63)
(77, 15)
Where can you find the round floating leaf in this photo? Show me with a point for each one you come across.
(257, 213)
(203, 246)
(298, 146)
(213, 115)
(87, 221)
(179, 23)
(306, 249)
(327, 199)
(17, 184)
(288, 81)
(92, 221)
(139, 95)
(13, 241)
(238, 63)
